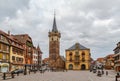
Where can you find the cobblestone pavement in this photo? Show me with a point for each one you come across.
(109, 77)
(64, 76)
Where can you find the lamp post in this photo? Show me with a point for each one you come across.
(25, 70)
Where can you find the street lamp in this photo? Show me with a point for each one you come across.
(25, 70)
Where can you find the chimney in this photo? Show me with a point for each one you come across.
(8, 32)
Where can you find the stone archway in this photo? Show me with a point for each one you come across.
(70, 67)
(83, 67)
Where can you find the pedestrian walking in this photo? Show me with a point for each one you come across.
(102, 72)
(29, 71)
(107, 73)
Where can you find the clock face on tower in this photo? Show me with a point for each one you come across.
(55, 38)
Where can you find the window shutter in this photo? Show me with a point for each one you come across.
(1, 56)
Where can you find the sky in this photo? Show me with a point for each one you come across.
(93, 23)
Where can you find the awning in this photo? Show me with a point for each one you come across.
(4, 64)
(27, 65)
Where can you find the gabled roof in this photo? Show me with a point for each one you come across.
(110, 55)
(3, 33)
(23, 38)
(11, 39)
(77, 46)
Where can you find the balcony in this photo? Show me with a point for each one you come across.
(83, 60)
(117, 61)
(4, 51)
(77, 55)
(17, 62)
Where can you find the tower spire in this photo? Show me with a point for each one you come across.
(54, 24)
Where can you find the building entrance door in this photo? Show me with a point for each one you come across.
(70, 67)
(83, 67)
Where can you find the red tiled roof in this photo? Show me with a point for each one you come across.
(11, 39)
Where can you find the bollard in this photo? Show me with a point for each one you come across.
(29, 72)
(4, 77)
(40, 71)
(102, 72)
(12, 75)
(18, 74)
(116, 78)
(106, 73)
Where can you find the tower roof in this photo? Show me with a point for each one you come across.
(38, 49)
(54, 25)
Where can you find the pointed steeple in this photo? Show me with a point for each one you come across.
(54, 24)
(38, 48)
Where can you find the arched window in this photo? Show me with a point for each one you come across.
(83, 67)
(70, 54)
(83, 54)
(52, 39)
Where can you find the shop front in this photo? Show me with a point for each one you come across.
(4, 67)
(16, 66)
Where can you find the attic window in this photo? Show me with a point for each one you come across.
(77, 45)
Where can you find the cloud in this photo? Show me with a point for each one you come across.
(93, 23)
(8, 8)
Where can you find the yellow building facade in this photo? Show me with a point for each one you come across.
(77, 57)
(17, 60)
(4, 52)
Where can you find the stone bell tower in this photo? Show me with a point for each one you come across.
(54, 41)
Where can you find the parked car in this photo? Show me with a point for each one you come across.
(17, 71)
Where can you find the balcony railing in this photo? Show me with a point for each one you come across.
(77, 55)
(117, 61)
(17, 62)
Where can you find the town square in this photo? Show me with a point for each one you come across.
(59, 40)
(64, 76)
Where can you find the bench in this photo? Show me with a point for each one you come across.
(8, 75)
(117, 76)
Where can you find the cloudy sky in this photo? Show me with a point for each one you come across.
(93, 23)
